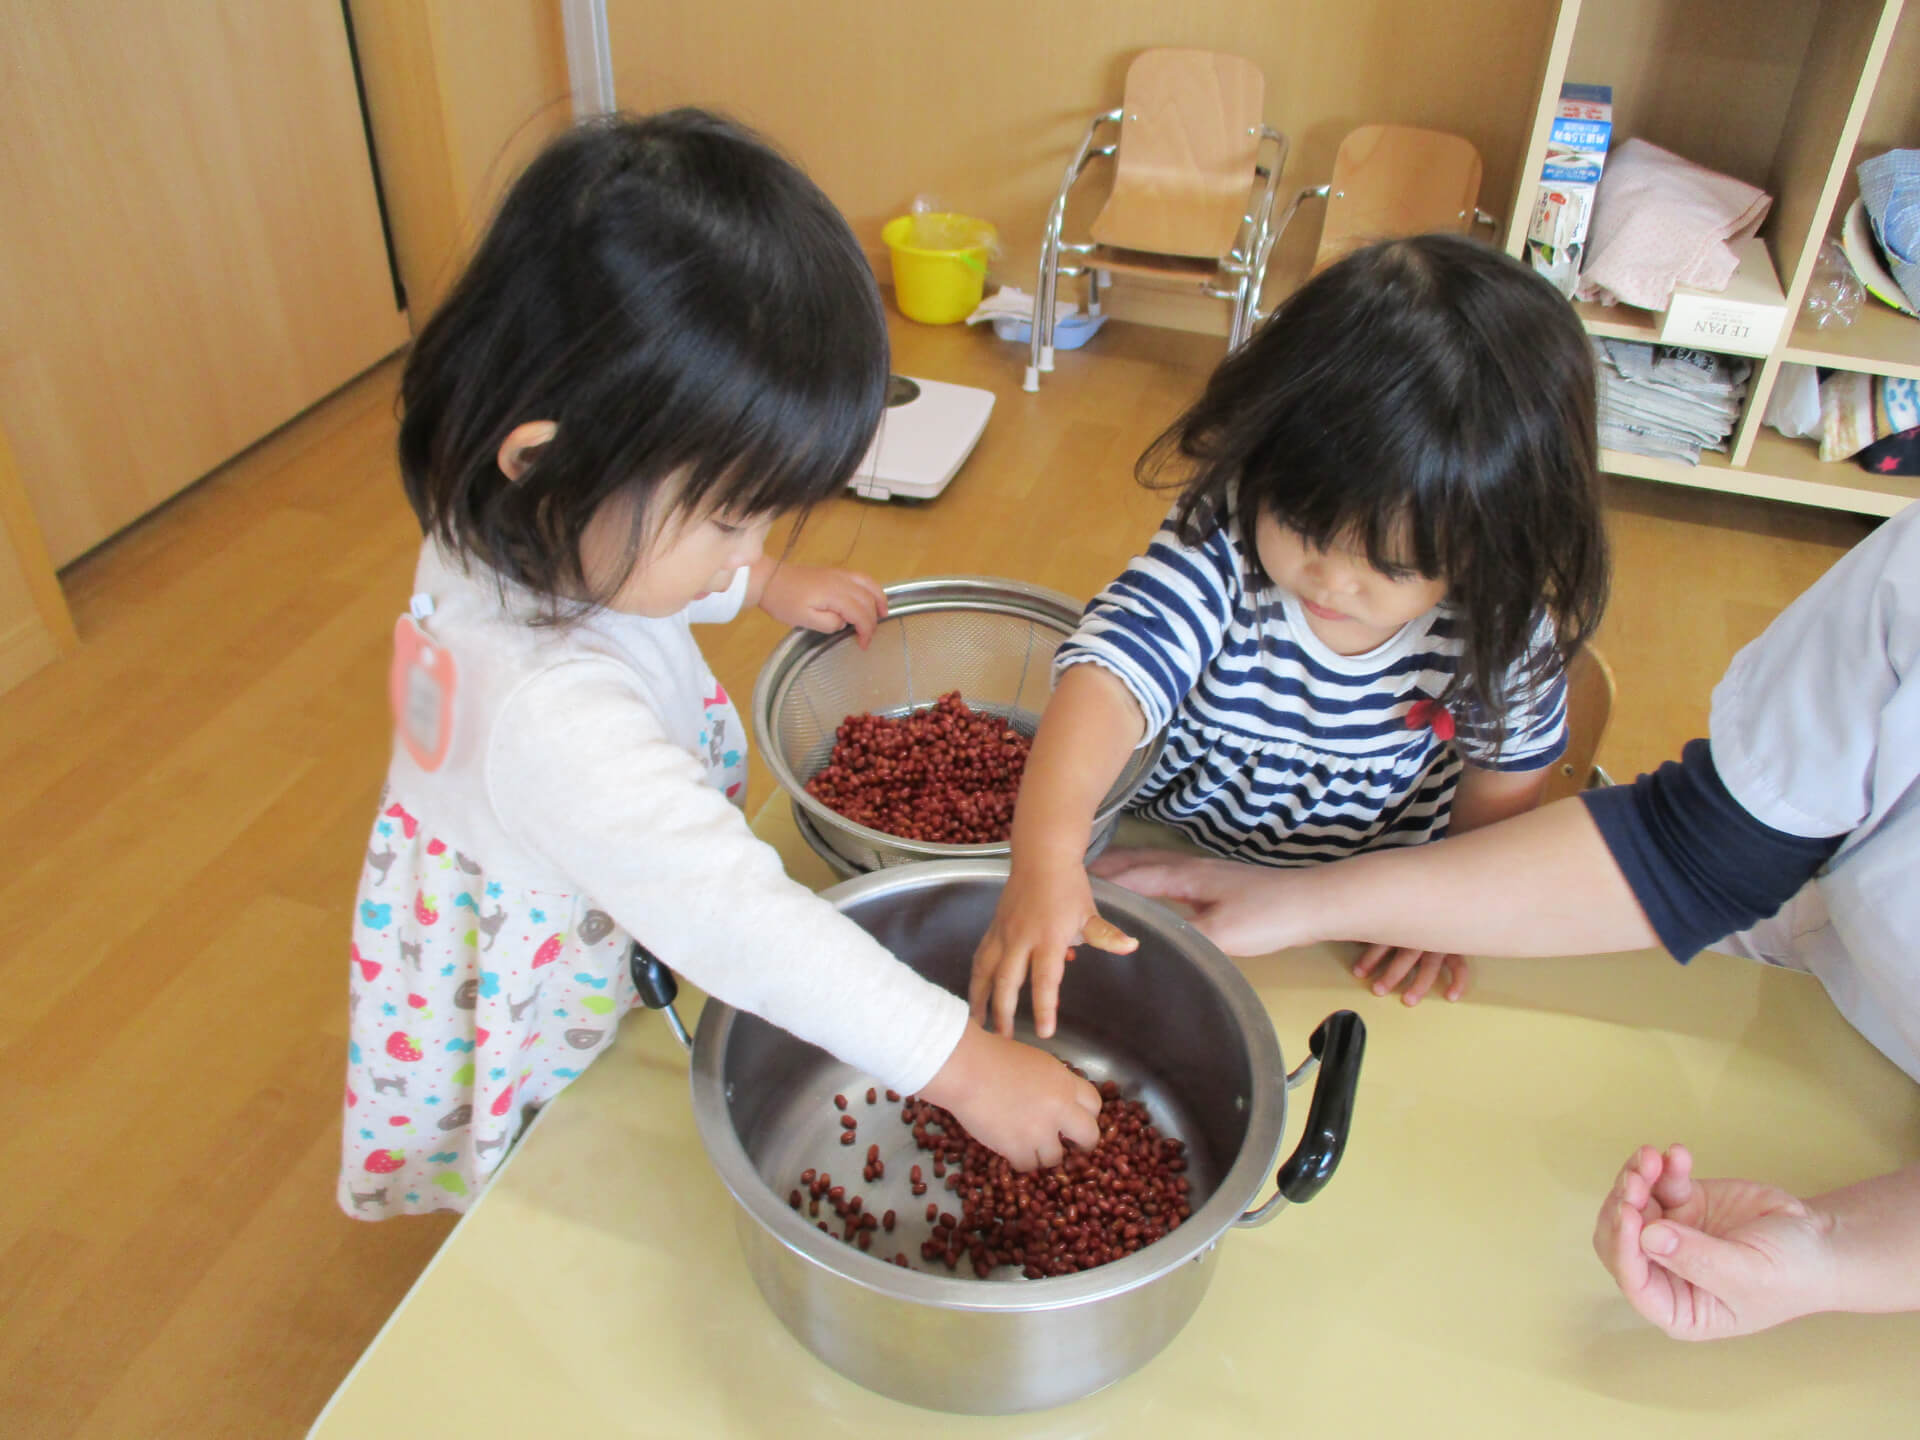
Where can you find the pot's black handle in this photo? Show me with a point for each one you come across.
(1339, 1044)
(658, 989)
(651, 977)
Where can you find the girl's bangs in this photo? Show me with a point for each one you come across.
(1397, 526)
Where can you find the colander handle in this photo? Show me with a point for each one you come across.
(658, 990)
(1338, 1046)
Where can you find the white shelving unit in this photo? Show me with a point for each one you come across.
(1789, 96)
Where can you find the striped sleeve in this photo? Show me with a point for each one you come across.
(1158, 625)
(1536, 717)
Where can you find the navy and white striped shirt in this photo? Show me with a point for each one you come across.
(1277, 749)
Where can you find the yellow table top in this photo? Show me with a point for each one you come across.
(1442, 1284)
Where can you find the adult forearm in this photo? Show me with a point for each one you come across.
(1875, 1240)
(1542, 883)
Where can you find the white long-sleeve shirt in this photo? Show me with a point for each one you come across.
(579, 803)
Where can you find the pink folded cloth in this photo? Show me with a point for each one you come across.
(1661, 221)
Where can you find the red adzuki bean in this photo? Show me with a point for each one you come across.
(1095, 1207)
(947, 774)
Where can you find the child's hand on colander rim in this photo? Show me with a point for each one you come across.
(819, 597)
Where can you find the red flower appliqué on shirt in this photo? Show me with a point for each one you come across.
(1425, 714)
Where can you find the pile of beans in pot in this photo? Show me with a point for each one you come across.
(1094, 1207)
(946, 774)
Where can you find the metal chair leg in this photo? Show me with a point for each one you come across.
(1049, 261)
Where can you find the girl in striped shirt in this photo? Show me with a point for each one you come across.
(1351, 630)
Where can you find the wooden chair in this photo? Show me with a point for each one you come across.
(1394, 180)
(1589, 706)
(1194, 182)
(1391, 181)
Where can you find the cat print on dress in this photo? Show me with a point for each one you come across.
(382, 861)
(490, 926)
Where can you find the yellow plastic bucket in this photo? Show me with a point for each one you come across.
(939, 265)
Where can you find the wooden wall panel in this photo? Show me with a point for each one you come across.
(192, 248)
(462, 93)
(982, 105)
(35, 627)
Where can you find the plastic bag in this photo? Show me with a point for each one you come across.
(1835, 292)
(1794, 406)
(937, 228)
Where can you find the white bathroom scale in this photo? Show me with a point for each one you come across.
(927, 431)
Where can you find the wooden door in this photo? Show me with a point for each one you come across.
(190, 243)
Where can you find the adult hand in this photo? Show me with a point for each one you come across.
(1709, 1259)
(817, 597)
(1419, 969)
(1244, 909)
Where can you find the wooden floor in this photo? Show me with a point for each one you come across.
(186, 801)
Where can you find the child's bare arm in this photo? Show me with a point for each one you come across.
(1092, 724)
(1484, 796)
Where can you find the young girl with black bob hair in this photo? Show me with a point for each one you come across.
(1353, 625)
(667, 339)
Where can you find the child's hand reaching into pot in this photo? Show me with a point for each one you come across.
(1016, 1099)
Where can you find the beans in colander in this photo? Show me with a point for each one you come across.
(946, 775)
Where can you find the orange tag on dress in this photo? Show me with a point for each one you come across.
(420, 689)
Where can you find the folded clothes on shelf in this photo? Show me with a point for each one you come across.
(1667, 403)
(1659, 221)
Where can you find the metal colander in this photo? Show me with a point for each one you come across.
(990, 639)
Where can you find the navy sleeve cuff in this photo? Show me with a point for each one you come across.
(1698, 863)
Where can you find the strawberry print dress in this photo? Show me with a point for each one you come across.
(580, 787)
(472, 1001)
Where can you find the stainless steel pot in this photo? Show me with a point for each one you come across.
(1175, 1024)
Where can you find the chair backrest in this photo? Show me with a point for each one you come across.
(1393, 180)
(1189, 143)
(1589, 706)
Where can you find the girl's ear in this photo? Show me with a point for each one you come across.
(516, 451)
